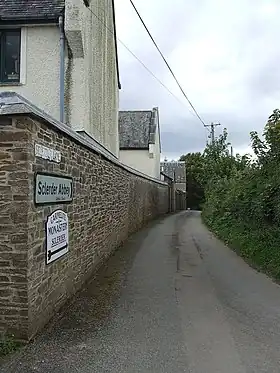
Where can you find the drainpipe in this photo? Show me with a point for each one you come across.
(62, 71)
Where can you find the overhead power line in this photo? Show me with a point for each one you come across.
(138, 59)
(167, 64)
(212, 132)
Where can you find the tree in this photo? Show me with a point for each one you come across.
(242, 196)
(268, 149)
(194, 169)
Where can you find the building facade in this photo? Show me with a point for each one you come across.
(176, 171)
(140, 146)
(64, 51)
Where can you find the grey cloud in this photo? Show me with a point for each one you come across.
(182, 143)
(166, 21)
(192, 136)
(256, 71)
(265, 80)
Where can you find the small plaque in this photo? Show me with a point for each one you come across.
(45, 152)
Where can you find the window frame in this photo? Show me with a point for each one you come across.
(3, 35)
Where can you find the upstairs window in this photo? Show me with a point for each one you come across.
(9, 56)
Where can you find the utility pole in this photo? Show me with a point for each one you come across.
(212, 131)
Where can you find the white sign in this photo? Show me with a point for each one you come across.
(53, 188)
(57, 235)
(47, 153)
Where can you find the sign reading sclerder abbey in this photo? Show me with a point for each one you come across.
(53, 189)
(57, 236)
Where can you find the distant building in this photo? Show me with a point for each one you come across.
(177, 171)
(139, 134)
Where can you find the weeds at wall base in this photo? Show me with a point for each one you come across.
(8, 345)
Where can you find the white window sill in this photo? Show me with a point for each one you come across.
(9, 84)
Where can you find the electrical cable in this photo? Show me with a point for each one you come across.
(138, 59)
(167, 64)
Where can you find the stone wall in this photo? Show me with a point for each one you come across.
(110, 202)
(181, 186)
(15, 143)
(180, 199)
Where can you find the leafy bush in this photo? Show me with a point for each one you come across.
(242, 196)
(8, 345)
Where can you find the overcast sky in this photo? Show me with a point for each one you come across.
(226, 55)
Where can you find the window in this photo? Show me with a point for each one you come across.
(9, 56)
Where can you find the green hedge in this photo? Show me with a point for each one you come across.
(258, 244)
(242, 195)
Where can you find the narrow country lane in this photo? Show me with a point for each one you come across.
(174, 299)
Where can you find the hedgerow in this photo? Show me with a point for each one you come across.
(241, 195)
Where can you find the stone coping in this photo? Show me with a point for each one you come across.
(11, 103)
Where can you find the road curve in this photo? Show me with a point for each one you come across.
(174, 299)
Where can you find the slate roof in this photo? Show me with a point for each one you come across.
(136, 129)
(179, 168)
(31, 10)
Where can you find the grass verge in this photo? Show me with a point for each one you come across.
(259, 246)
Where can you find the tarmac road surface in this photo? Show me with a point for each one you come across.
(173, 300)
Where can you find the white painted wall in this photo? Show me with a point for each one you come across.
(39, 68)
(91, 87)
(157, 145)
(146, 161)
(139, 160)
(157, 157)
(96, 73)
